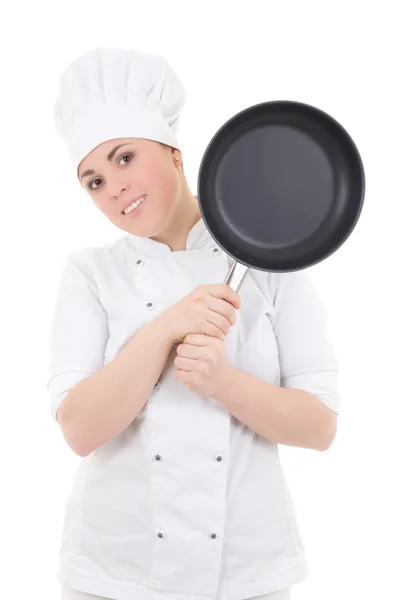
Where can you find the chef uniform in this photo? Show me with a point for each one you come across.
(187, 503)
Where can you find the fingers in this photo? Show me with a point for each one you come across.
(189, 351)
(219, 321)
(185, 364)
(198, 339)
(222, 308)
(225, 292)
(213, 331)
(194, 347)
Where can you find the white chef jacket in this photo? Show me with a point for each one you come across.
(187, 502)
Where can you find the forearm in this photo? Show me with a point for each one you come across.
(284, 416)
(100, 407)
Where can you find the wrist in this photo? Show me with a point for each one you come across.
(226, 384)
(161, 326)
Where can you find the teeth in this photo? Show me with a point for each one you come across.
(134, 205)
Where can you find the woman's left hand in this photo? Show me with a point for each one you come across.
(201, 364)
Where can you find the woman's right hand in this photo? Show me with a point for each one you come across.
(208, 309)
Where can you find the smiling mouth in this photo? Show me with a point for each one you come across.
(134, 205)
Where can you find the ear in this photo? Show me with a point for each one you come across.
(176, 157)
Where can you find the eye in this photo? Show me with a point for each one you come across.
(126, 156)
(91, 186)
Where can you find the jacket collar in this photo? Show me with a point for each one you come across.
(198, 237)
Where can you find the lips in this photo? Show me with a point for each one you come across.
(131, 202)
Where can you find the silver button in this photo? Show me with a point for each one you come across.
(218, 458)
(158, 457)
(157, 385)
(140, 262)
(160, 534)
(213, 536)
(150, 305)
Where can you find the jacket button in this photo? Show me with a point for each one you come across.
(216, 251)
(150, 305)
(157, 385)
(160, 534)
(158, 457)
(140, 262)
(218, 458)
(213, 536)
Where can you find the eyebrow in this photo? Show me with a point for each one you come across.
(110, 156)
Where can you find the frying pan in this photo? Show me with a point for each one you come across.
(280, 188)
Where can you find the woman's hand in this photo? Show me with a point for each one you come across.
(201, 364)
(207, 310)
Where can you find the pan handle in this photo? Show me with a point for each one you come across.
(236, 275)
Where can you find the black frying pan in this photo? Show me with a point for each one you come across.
(281, 187)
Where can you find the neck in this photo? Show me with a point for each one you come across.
(185, 217)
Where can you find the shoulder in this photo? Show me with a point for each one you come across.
(270, 283)
(92, 257)
(276, 286)
(92, 262)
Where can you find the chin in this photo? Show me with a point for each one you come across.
(141, 229)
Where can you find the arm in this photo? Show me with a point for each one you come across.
(93, 403)
(303, 410)
(284, 416)
(101, 406)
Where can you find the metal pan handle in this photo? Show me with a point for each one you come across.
(236, 275)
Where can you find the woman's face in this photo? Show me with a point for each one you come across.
(122, 171)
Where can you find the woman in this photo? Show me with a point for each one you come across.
(173, 389)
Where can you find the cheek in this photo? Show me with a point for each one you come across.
(102, 202)
(165, 178)
(163, 183)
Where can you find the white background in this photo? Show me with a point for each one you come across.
(340, 56)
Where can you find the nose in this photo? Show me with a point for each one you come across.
(116, 189)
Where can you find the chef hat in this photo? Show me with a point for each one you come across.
(112, 93)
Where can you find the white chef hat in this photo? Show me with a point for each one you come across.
(112, 93)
